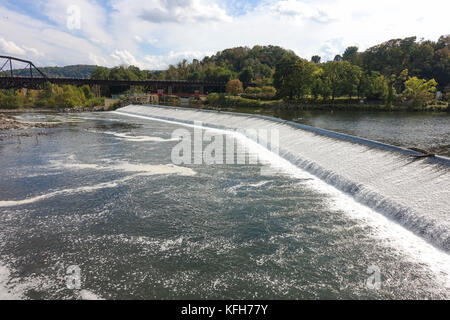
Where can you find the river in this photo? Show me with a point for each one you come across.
(99, 200)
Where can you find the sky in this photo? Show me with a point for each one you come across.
(152, 34)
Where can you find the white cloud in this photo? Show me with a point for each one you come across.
(332, 47)
(301, 10)
(155, 33)
(97, 60)
(189, 55)
(11, 48)
(32, 51)
(155, 62)
(125, 57)
(182, 11)
(160, 62)
(93, 18)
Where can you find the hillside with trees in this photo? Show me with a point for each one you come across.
(423, 59)
(255, 65)
(405, 72)
(76, 71)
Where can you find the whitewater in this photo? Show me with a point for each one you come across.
(414, 192)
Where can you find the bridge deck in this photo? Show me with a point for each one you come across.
(35, 83)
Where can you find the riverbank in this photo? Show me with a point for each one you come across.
(237, 102)
(8, 122)
(55, 110)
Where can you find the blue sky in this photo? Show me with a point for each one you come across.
(155, 33)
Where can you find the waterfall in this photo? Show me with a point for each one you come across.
(415, 192)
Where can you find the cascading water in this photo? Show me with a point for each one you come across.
(414, 192)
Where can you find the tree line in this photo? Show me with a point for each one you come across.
(299, 79)
(51, 96)
(399, 70)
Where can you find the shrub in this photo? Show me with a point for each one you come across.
(447, 96)
(212, 99)
(253, 90)
(9, 99)
(268, 90)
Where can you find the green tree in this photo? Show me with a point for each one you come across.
(281, 76)
(246, 75)
(332, 79)
(317, 87)
(87, 91)
(294, 77)
(316, 59)
(419, 91)
(340, 78)
(374, 86)
(351, 79)
(100, 73)
(350, 54)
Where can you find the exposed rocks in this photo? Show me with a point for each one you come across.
(7, 122)
(56, 110)
(81, 109)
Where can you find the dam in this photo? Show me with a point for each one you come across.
(388, 179)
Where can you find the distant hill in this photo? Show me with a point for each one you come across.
(76, 71)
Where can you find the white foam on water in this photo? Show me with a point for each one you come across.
(100, 119)
(15, 203)
(59, 164)
(68, 119)
(246, 186)
(131, 138)
(12, 289)
(390, 232)
(169, 244)
(139, 169)
(6, 292)
(88, 295)
(142, 168)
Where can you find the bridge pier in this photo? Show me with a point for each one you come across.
(96, 89)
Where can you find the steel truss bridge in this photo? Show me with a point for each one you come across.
(37, 79)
